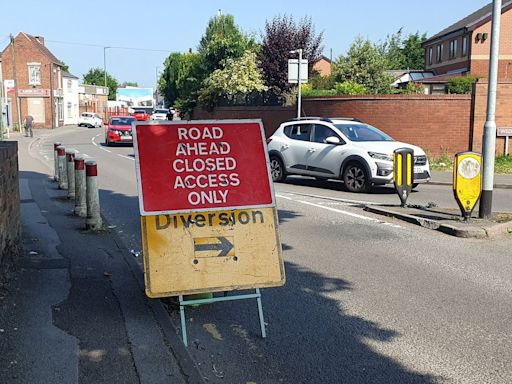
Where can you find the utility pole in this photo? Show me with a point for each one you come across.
(16, 95)
(489, 136)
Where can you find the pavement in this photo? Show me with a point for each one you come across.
(75, 310)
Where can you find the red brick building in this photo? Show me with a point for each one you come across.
(463, 47)
(323, 66)
(37, 78)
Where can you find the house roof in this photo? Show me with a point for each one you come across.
(42, 48)
(67, 74)
(324, 58)
(439, 78)
(467, 22)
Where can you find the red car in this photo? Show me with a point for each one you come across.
(119, 130)
(141, 115)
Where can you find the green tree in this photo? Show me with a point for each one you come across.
(188, 82)
(404, 53)
(350, 88)
(167, 83)
(96, 76)
(129, 84)
(222, 40)
(239, 77)
(363, 64)
(413, 51)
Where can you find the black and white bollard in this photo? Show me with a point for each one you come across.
(56, 161)
(63, 175)
(70, 170)
(80, 188)
(93, 220)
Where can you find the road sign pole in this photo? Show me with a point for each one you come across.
(489, 137)
(299, 96)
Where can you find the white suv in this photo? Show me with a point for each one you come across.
(89, 119)
(339, 148)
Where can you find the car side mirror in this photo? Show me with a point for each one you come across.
(333, 140)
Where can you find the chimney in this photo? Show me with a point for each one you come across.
(40, 39)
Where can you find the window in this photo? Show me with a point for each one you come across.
(464, 46)
(322, 132)
(440, 52)
(70, 85)
(453, 49)
(362, 132)
(34, 74)
(430, 53)
(60, 108)
(298, 131)
(69, 109)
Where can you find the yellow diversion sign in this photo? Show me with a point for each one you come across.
(467, 181)
(215, 251)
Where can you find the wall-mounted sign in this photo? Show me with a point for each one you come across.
(9, 87)
(504, 131)
(34, 92)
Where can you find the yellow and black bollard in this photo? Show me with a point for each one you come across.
(467, 181)
(403, 177)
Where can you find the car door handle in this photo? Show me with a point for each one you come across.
(285, 146)
(311, 150)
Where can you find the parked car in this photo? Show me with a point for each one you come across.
(159, 114)
(89, 119)
(140, 115)
(339, 148)
(119, 130)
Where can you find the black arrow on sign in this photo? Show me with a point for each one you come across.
(225, 246)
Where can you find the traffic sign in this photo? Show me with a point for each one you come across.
(196, 166)
(467, 181)
(198, 252)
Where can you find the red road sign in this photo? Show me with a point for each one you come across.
(187, 166)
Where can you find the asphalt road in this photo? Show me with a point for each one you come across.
(366, 300)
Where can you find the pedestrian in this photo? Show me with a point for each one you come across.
(28, 126)
(170, 114)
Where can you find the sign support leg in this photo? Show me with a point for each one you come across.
(183, 322)
(183, 303)
(260, 313)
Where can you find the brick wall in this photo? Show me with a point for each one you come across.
(10, 227)
(437, 123)
(272, 117)
(503, 112)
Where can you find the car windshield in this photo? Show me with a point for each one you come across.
(86, 115)
(161, 111)
(362, 132)
(139, 112)
(121, 121)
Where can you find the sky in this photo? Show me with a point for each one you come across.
(76, 32)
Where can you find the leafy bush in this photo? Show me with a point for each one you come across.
(350, 88)
(460, 85)
(318, 92)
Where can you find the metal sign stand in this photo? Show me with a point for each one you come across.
(183, 303)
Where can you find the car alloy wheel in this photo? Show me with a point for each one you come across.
(355, 178)
(277, 169)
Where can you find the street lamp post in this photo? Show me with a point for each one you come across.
(489, 137)
(299, 96)
(105, 65)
